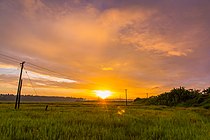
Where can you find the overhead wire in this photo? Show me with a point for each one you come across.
(30, 82)
(9, 58)
(55, 83)
(11, 61)
(34, 67)
(46, 69)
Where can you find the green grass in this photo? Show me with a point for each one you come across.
(91, 120)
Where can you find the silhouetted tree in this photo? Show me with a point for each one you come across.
(206, 91)
(176, 96)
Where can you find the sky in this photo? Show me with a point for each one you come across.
(145, 46)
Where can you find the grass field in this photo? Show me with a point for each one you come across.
(100, 120)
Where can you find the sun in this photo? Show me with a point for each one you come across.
(103, 93)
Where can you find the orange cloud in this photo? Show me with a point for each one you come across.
(134, 45)
(107, 69)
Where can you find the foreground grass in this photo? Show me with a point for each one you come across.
(102, 121)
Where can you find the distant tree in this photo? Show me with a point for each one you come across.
(174, 97)
(179, 96)
(206, 91)
(137, 99)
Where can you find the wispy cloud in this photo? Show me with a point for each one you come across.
(137, 43)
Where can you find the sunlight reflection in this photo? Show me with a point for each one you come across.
(121, 112)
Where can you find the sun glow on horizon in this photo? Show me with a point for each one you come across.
(103, 93)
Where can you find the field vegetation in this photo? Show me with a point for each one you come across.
(103, 120)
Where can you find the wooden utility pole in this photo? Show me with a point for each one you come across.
(17, 103)
(126, 97)
(21, 81)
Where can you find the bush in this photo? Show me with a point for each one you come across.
(178, 97)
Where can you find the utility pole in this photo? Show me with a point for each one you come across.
(21, 81)
(126, 97)
(17, 103)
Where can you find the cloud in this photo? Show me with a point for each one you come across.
(107, 68)
(34, 75)
(138, 43)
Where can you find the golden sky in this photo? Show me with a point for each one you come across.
(140, 45)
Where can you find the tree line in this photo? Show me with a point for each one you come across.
(11, 97)
(179, 97)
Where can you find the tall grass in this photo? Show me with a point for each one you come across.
(103, 121)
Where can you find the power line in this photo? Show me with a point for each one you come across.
(52, 71)
(14, 60)
(30, 82)
(9, 57)
(10, 60)
(32, 85)
(55, 83)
